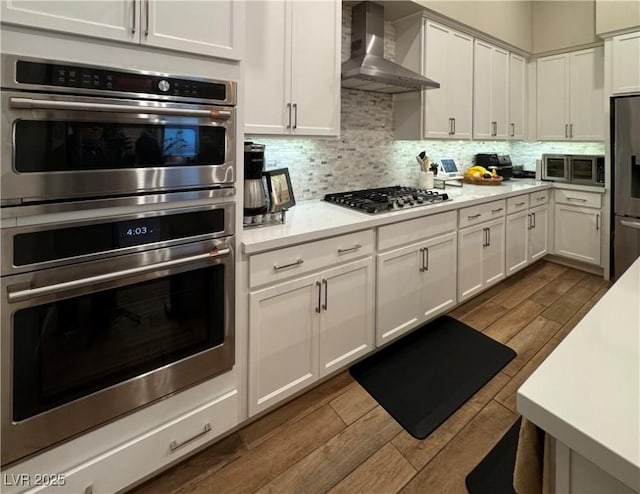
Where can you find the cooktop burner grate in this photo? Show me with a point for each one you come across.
(385, 199)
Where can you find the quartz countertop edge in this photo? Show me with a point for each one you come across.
(586, 393)
(316, 219)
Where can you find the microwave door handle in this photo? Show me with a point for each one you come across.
(20, 295)
(44, 104)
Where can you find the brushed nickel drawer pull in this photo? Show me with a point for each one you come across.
(319, 296)
(513, 130)
(540, 199)
(350, 249)
(529, 227)
(474, 216)
(422, 268)
(290, 265)
(597, 222)
(173, 445)
(576, 199)
(326, 291)
(518, 204)
(496, 210)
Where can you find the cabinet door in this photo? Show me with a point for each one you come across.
(626, 63)
(517, 241)
(283, 341)
(517, 96)
(315, 67)
(398, 306)
(436, 110)
(116, 20)
(267, 68)
(587, 95)
(499, 92)
(482, 128)
(470, 254)
(460, 82)
(553, 98)
(493, 253)
(207, 28)
(539, 233)
(577, 233)
(439, 275)
(346, 321)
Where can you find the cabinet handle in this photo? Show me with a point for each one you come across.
(173, 445)
(529, 222)
(326, 291)
(426, 256)
(513, 130)
(146, 29)
(474, 216)
(580, 199)
(484, 240)
(518, 204)
(422, 259)
(488, 237)
(451, 132)
(133, 25)
(597, 222)
(493, 211)
(295, 115)
(289, 107)
(539, 199)
(566, 131)
(350, 249)
(571, 131)
(454, 126)
(494, 128)
(534, 219)
(290, 265)
(319, 296)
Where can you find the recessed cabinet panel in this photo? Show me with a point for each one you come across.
(553, 98)
(438, 275)
(470, 256)
(539, 233)
(517, 96)
(436, 113)
(517, 241)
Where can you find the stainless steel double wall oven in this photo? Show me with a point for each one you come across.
(118, 244)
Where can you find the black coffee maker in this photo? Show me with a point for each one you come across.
(254, 194)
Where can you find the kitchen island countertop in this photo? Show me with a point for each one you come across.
(586, 393)
(316, 219)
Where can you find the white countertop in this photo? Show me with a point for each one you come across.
(587, 392)
(315, 219)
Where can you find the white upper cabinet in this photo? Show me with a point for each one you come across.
(490, 91)
(570, 96)
(205, 28)
(449, 61)
(626, 63)
(292, 70)
(517, 96)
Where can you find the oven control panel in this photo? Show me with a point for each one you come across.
(70, 76)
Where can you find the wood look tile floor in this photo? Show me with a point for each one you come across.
(335, 438)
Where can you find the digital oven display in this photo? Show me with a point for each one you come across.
(138, 232)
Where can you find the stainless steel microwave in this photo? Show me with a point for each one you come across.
(577, 169)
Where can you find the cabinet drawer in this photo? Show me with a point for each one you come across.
(482, 212)
(410, 231)
(578, 198)
(517, 203)
(151, 451)
(538, 198)
(292, 261)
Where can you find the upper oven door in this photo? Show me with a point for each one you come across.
(58, 147)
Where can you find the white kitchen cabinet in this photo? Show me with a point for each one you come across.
(490, 91)
(481, 257)
(538, 232)
(415, 283)
(517, 229)
(307, 328)
(205, 28)
(448, 59)
(517, 96)
(527, 235)
(570, 97)
(626, 63)
(578, 220)
(292, 70)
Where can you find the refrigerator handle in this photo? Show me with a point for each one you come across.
(634, 160)
(632, 224)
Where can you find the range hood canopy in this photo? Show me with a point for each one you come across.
(367, 69)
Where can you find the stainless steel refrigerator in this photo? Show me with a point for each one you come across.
(626, 175)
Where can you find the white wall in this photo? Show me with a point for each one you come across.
(615, 15)
(563, 24)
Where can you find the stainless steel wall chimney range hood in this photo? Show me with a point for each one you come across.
(367, 69)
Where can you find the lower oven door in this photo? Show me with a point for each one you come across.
(63, 147)
(87, 343)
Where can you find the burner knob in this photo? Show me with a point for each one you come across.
(400, 202)
(420, 200)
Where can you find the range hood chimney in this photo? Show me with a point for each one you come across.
(367, 69)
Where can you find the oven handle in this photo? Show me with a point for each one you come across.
(21, 295)
(44, 104)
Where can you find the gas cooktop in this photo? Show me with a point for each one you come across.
(385, 199)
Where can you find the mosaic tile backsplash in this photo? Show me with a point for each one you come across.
(366, 155)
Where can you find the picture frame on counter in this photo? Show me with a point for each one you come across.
(279, 189)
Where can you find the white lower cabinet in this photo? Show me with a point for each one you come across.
(538, 232)
(415, 283)
(578, 220)
(307, 328)
(481, 257)
(527, 235)
(517, 241)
